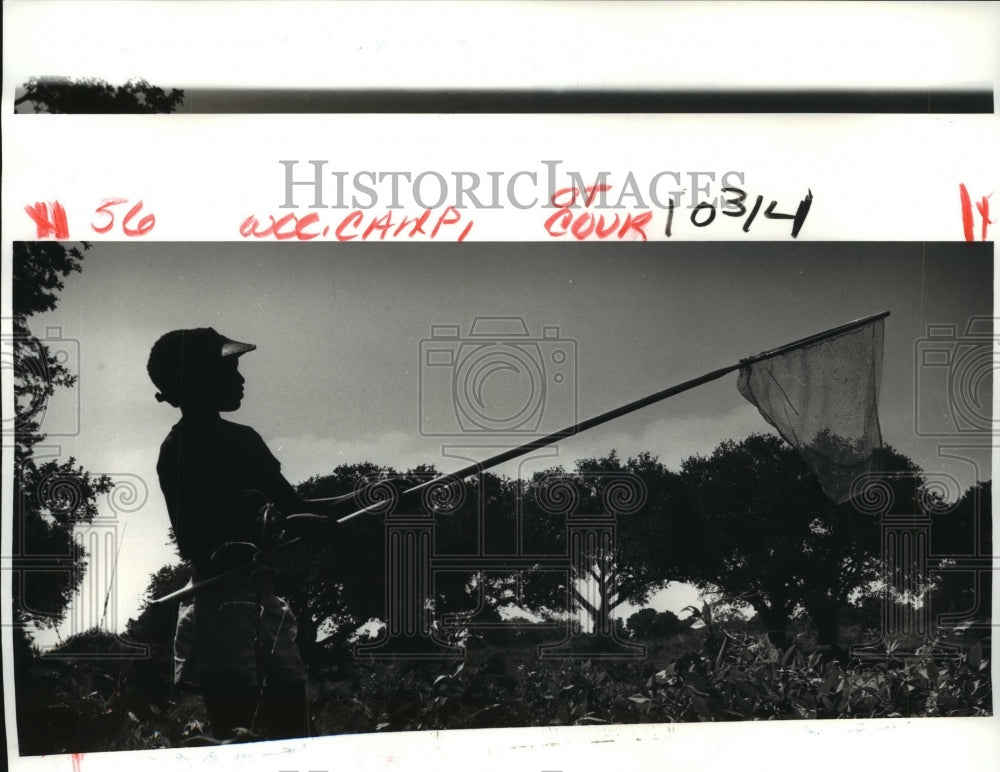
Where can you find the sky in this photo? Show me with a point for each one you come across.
(342, 372)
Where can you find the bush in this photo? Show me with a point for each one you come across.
(704, 675)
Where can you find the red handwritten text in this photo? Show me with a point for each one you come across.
(48, 225)
(141, 228)
(357, 225)
(982, 206)
(585, 224)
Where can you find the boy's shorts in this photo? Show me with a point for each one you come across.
(236, 638)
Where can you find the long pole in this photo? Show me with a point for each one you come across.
(194, 589)
(631, 407)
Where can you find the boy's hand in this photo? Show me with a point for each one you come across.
(272, 521)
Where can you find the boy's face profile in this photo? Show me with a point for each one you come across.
(222, 391)
(228, 391)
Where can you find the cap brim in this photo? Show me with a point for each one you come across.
(232, 348)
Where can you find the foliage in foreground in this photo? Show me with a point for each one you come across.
(96, 706)
(746, 679)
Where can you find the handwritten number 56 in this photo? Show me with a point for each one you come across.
(106, 218)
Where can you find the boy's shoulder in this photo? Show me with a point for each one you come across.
(209, 437)
(240, 431)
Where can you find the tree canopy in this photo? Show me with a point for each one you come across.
(650, 623)
(961, 583)
(760, 530)
(749, 523)
(92, 95)
(51, 496)
(637, 496)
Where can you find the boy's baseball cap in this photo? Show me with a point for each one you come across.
(186, 359)
(232, 348)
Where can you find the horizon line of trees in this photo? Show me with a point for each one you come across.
(748, 524)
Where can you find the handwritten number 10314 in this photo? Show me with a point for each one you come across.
(733, 205)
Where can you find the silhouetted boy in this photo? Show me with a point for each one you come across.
(235, 640)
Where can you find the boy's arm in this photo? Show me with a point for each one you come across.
(326, 511)
(334, 507)
(289, 503)
(284, 496)
(315, 518)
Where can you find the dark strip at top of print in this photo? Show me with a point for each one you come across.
(252, 101)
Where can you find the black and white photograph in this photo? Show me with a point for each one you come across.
(341, 489)
(430, 384)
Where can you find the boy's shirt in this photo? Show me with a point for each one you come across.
(206, 469)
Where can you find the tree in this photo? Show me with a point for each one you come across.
(649, 623)
(642, 495)
(759, 529)
(51, 497)
(961, 535)
(336, 580)
(151, 677)
(480, 514)
(156, 622)
(91, 95)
